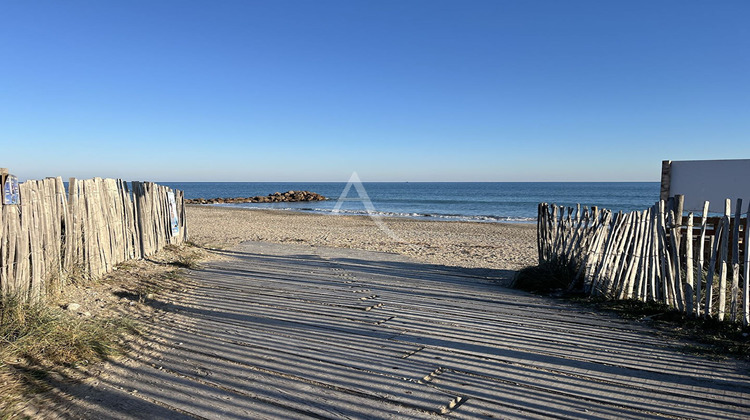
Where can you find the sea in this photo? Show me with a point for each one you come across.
(451, 201)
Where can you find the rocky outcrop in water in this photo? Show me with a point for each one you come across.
(277, 197)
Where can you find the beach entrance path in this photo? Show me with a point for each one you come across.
(294, 331)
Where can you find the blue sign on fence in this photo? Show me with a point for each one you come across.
(174, 219)
(11, 193)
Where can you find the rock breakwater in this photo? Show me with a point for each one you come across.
(277, 197)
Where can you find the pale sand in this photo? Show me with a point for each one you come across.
(462, 244)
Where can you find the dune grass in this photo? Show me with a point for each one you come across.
(36, 339)
(185, 256)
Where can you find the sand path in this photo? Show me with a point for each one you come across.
(300, 331)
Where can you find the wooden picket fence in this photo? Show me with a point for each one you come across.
(701, 266)
(54, 234)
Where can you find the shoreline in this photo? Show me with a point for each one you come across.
(467, 244)
(387, 214)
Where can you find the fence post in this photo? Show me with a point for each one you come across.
(723, 259)
(734, 291)
(3, 176)
(746, 285)
(666, 266)
(701, 252)
(676, 278)
(679, 204)
(689, 278)
(3, 262)
(666, 176)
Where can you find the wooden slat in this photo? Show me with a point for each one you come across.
(679, 206)
(723, 256)
(540, 243)
(676, 287)
(734, 291)
(746, 272)
(624, 256)
(3, 246)
(664, 261)
(12, 234)
(689, 276)
(599, 236)
(607, 254)
(23, 253)
(700, 266)
(181, 212)
(32, 211)
(642, 278)
(715, 242)
(666, 177)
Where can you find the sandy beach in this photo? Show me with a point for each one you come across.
(462, 244)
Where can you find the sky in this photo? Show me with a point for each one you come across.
(406, 90)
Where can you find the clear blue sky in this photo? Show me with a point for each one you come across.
(406, 90)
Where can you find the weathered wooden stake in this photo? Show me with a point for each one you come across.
(701, 252)
(735, 290)
(655, 260)
(723, 260)
(689, 278)
(746, 285)
(679, 203)
(675, 282)
(666, 177)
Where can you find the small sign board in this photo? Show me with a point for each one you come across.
(707, 180)
(11, 194)
(174, 219)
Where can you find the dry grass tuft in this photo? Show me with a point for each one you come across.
(186, 256)
(36, 338)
